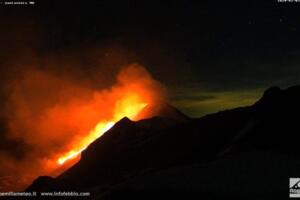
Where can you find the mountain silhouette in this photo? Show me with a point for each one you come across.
(244, 153)
(162, 109)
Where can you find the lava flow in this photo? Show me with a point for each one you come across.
(57, 116)
(129, 107)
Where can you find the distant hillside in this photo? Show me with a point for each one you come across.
(246, 152)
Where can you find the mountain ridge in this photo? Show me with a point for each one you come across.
(136, 148)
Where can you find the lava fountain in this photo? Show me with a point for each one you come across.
(126, 99)
(56, 116)
(129, 107)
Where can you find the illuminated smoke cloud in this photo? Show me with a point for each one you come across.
(53, 114)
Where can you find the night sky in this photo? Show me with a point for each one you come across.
(209, 56)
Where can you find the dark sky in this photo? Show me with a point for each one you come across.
(210, 56)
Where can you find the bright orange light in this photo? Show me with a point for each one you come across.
(129, 106)
(93, 135)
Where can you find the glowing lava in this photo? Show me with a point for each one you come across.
(129, 106)
(93, 135)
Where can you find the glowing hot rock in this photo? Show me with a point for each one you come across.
(129, 107)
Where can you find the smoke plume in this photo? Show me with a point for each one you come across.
(51, 104)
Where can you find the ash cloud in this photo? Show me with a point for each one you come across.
(50, 101)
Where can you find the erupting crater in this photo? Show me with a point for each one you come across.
(129, 106)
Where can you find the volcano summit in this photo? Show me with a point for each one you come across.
(172, 155)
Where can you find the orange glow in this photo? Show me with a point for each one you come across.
(100, 128)
(129, 107)
(58, 114)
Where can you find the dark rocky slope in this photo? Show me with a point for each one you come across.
(247, 153)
